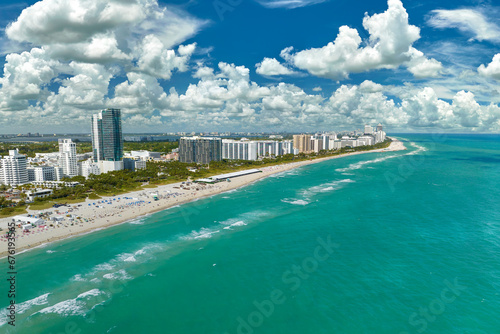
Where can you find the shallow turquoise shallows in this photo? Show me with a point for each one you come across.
(397, 242)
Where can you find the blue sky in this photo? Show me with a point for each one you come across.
(251, 65)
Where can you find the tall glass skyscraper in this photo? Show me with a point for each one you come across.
(107, 138)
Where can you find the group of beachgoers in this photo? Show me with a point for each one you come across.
(78, 215)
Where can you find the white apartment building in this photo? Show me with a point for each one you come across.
(322, 142)
(89, 167)
(274, 148)
(13, 169)
(239, 149)
(67, 157)
(366, 140)
(349, 142)
(245, 149)
(42, 173)
(110, 166)
(335, 144)
(379, 136)
(58, 173)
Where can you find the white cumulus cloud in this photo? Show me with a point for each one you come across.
(270, 66)
(389, 46)
(73, 49)
(492, 69)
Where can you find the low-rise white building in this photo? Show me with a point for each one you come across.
(110, 166)
(144, 155)
(55, 184)
(39, 193)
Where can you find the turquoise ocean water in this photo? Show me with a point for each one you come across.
(398, 242)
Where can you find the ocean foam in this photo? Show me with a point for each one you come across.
(137, 221)
(126, 257)
(204, 233)
(119, 275)
(103, 267)
(76, 306)
(295, 201)
(67, 307)
(78, 278)
(238, 223)
(40, 300)
(360, 164)
(93, 292)
(325, 187)
(418, 149)
(280, 175)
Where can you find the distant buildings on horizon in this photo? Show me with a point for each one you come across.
(107, 151)
(203, 150)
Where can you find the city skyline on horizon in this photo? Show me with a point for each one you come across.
(249, 67)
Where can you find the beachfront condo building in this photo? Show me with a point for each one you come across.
(67, 157)
(302, 143)
(273, 148)
(239, 149)
(13, 169)
(245, 149)
(200, 150)
(107, 138)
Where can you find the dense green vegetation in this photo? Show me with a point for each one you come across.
(154, 146)
(30, 149)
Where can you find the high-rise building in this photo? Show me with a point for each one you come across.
(302, 143)
(200, 149)
(368, 130)
(107, 138)
(380, 127)
(239, 149)
(67, 157)
(13, 169)
(251, 150)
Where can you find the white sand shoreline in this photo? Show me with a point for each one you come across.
(140, 204)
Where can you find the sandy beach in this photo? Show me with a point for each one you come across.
(91, 215)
